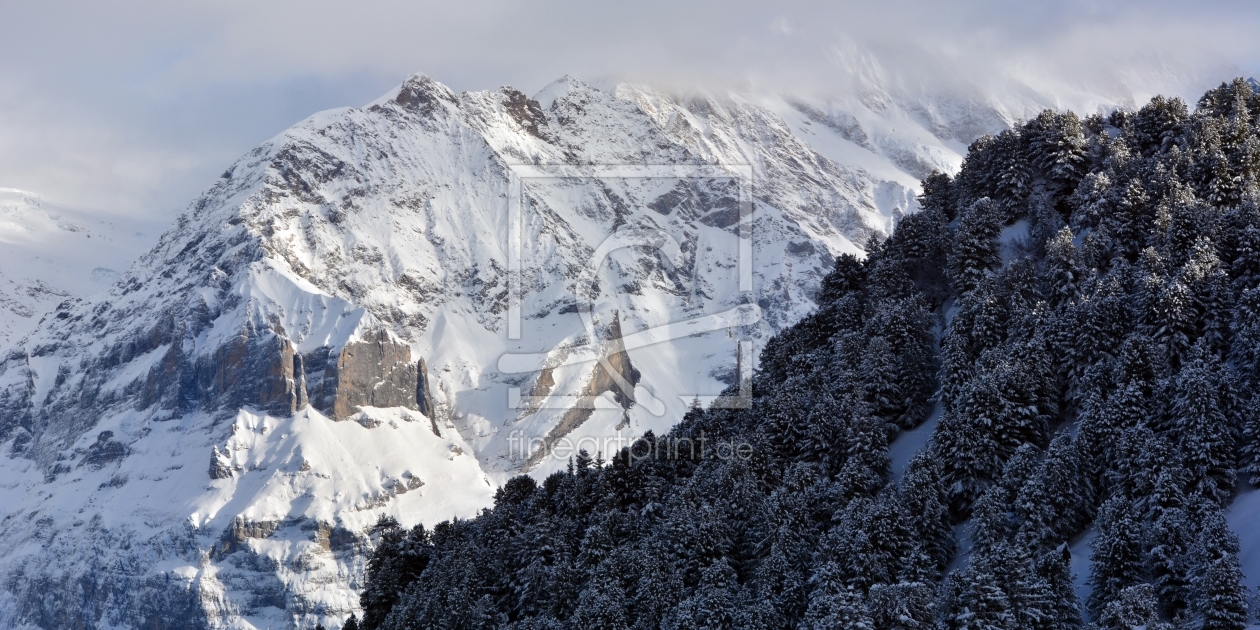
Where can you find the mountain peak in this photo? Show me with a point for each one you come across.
(418, 91)
(558, 89)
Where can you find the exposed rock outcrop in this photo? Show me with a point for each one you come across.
(240, 532)
(376, 371)
(424, 397)
(622, 377)
(260, 369)
(334, 538)
(104, 451)
(251, 370)
(220, 467)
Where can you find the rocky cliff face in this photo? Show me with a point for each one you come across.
(375, 372)
(324, 326)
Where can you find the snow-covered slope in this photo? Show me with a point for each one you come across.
(50, 253)
(330, 333)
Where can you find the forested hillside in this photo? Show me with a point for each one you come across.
(1077, 312)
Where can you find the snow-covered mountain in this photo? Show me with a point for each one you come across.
(49, 253)
(330, 333)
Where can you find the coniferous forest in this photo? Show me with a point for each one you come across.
(1075, 319)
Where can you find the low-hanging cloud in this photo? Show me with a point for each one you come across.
(134, 106)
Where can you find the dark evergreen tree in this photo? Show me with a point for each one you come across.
(1245, 349)
(879, 371)
(1057, 144)
(1117, 553)
(1014, 178)
(834, 604)
(782, 582)
(927, 507)
(974, 599)
(898, 371)
(1133, 607)
(399, 559)
(1245, 266)
(602, 603)
(975, 253)
(901, 606)
(869, 554)
(1250, 412)
(1200, 421)
(1157, 127)
(1063, 609)
(1129, 224)
(1209, 284)
(1064, 268)
(938, 195)
(1174, 321)
(1053, 505)
(1221, 600)
(967, 443)
(1169, 561)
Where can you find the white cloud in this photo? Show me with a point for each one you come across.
(135, 106)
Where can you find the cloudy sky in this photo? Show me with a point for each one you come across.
(134, 107)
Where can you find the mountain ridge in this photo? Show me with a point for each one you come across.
(306, 286)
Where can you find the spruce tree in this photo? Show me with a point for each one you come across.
(1203, 427)
(835, 604)
(927, 507)
(1133, 607)
(975, 253)
(1116, 552)
(1058, 143)
(1054, 503)
(1221, 600)
(901, 606)
(1064, 268)
(1063, 609)
(602, 604)
(976, 599)
(1245, 346)
(1245, 266)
